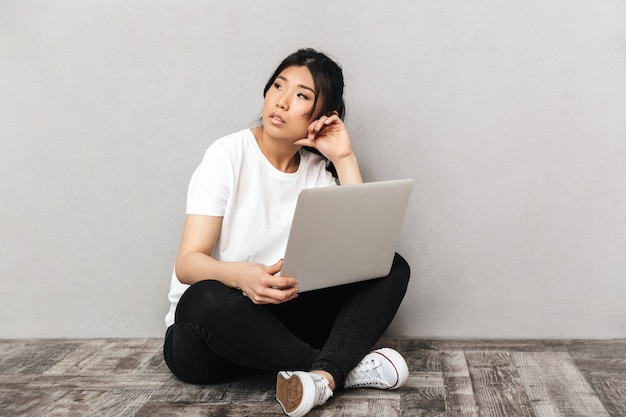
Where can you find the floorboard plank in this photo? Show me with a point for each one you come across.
(73, 403)
(26, 403)
(556, 387)
(497, 387)
(116, 403)
(611, 390)
(459, 393)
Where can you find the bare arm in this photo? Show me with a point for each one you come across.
(348, 170)
(194, 263)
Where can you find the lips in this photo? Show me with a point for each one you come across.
(276, 119)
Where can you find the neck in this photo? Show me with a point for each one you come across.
(284, 157)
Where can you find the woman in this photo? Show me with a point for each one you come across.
(229, 310)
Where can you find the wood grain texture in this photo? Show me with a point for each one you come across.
(556, 386)
(497, 387)
(459, 392)
(448, 378)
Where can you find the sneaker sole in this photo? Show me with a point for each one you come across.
(398, 363)
(289, 390)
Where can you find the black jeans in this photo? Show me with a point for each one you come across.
(218, 332)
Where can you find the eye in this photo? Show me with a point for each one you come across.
(277, 86)
(303, 96)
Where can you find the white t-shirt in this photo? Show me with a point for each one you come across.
(256, 200)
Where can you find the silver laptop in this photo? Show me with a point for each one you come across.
(345, 234)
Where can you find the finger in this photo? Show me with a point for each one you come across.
(316, 125)
(275, 296)
(272, 269)
(313, 129)
(318, 129)
(332, 117)
(305, 142)
(284, 295)
(312, 134)
(326, 120)
(283, 283)
(323, 124)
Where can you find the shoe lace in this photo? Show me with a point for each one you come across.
(365, 373)
(322, 390)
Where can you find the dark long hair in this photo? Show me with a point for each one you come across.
(328, 84)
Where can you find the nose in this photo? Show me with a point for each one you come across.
(282, 103)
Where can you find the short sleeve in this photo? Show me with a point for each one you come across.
(211, 183)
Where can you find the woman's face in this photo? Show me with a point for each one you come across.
(288, 104)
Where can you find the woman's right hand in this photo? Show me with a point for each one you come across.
(260, 284)
(256, 280)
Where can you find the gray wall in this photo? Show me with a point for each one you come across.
(510, 116)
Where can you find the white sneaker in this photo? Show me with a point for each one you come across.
(298, 392)
(383, 369)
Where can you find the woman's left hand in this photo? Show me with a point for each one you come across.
(328, 135)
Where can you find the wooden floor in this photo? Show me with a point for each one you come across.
(127, 377)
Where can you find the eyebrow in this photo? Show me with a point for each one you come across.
(306, 87)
